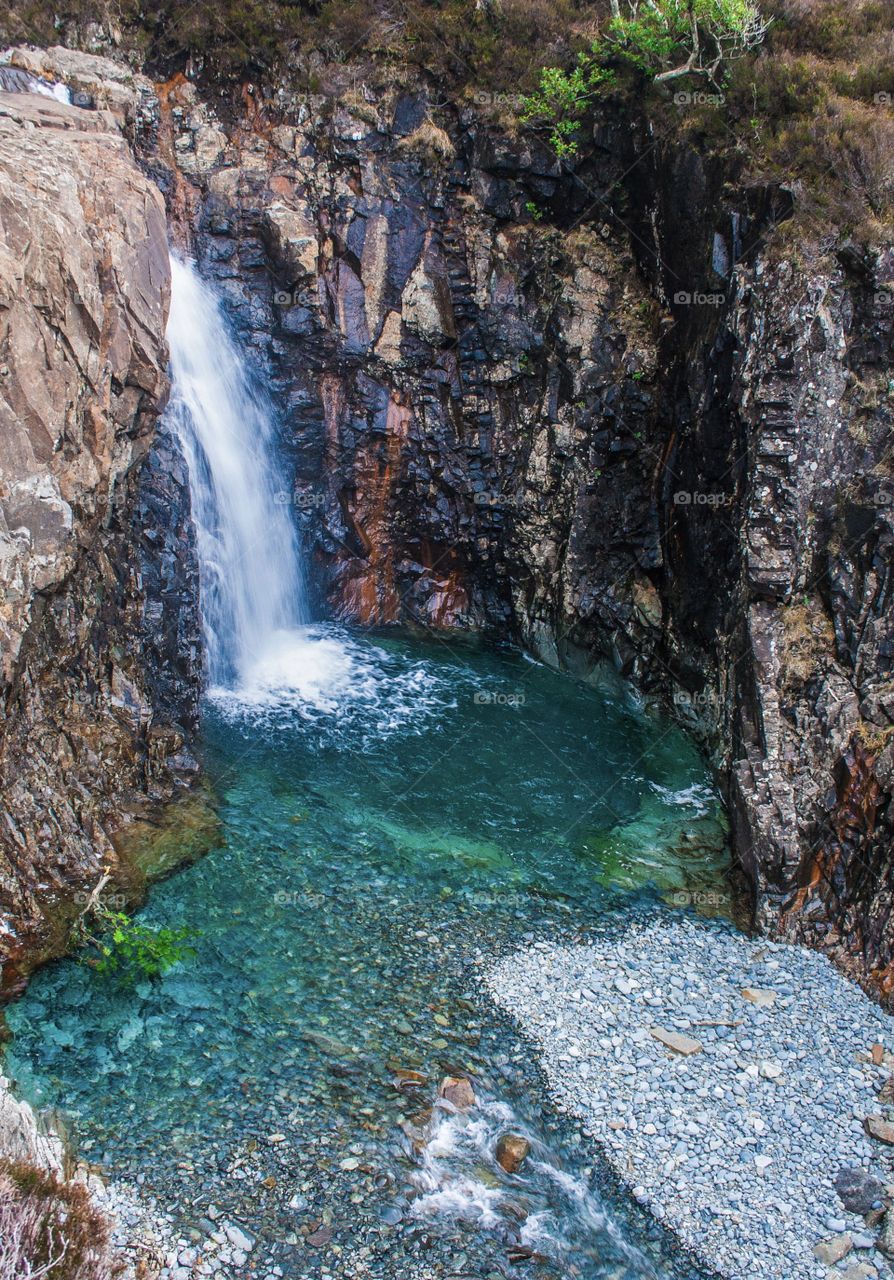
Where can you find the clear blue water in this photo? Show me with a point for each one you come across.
(409, 810)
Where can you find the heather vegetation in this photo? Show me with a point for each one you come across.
(497, 45)
(50, 1230)
(815, 111)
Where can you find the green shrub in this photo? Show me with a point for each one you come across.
(563, 97)
(113, 942)
(663, 40)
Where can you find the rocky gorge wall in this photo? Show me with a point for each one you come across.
(610, 414)
(89, 735)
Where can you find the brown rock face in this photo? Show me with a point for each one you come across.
(84, 285)
(452, 378)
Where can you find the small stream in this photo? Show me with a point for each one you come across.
(395, 812)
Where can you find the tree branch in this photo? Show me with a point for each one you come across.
(693, 56)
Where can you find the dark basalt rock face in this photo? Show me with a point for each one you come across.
(617, 427)
(170, 628)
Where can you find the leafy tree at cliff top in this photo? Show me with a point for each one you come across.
(663, 39)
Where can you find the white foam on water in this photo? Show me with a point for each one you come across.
(297, 668)
(697, 796)
(464, 1200)
(349, 688)
(456, 1144)
(458, 1178)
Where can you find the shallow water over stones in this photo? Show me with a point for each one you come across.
(389, 825)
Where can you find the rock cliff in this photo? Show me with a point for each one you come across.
(84, 283)
(611, 412)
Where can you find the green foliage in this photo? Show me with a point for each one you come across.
(563, 98)
(661, 39)
(534, 210)
(113, 942)
(652, 39)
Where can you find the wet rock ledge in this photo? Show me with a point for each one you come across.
(742, 1089)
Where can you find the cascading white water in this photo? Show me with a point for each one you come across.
(264, 662)
(250, 577)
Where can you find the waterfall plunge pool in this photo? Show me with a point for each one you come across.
(395, 816)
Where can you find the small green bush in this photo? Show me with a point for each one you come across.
(563, 97)
(113, 942)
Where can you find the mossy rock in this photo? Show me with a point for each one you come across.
(169, 836)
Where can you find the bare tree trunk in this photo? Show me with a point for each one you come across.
(94, 896)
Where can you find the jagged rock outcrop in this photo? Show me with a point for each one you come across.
(84, 288)
(812, 754)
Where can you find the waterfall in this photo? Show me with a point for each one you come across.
(15, 80)
(250, 578)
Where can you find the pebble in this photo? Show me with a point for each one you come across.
(238, 1238)
(676, 1042)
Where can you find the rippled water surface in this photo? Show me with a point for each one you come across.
(394, 812)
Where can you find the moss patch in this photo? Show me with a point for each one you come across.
(172, 835)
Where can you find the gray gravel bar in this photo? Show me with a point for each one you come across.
(730, 1116)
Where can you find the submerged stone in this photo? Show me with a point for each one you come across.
(458, 1092)
(512, 1151)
